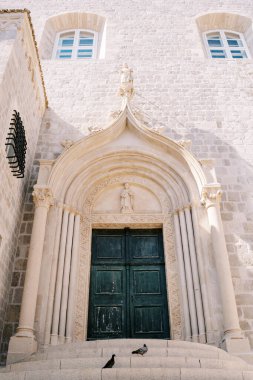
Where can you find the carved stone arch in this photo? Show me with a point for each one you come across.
(127, 152)
(125, 161)
(164, 180)
(103, 162)
(223, 20)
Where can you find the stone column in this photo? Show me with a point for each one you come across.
(58, 286)
(189, 281)
(233, 340)
(73, 279)
(203, 276)
(195, 276)
(65, 281)
(24, 341)
(53, 277)
(182, 278)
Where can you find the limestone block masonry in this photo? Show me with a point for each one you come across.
(179, 92)
(20, 89)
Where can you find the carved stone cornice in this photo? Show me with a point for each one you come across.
(107, 220)
(211, 195)
(10, 20)
(5, 25)
(42, 197)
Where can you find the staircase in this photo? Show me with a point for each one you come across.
(165, 360)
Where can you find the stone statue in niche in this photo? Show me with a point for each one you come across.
(126, 81)
(127, 200)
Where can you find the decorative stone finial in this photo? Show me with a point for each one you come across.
(115, 114)
(126, 82)
(67, 144)
(94, 129)
(157, 128)
(187, 144)
(207, 162)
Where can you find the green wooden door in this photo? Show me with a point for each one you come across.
(128, 297)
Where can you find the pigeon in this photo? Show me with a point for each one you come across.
(110, 362)
(141, 351)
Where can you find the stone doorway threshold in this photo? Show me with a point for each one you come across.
(165, 359)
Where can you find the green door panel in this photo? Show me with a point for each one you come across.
(107, 311)
(148, 306)
(108, 246)
(145, 246)
(147, 321)
(128, 297)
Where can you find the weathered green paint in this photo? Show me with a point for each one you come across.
(128, 297)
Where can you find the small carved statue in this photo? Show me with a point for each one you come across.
(126, 81)
(127, 200)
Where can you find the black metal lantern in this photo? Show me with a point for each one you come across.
(16, 146)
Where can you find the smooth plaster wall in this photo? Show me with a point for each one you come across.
(177, 87)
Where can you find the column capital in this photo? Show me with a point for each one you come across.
(211, 195)
(70, 209)
(42, 197)
(182, 208)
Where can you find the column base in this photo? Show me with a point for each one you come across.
(21, 347)
(54, 340)
(235, 345)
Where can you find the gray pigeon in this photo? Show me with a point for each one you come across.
(141, 351)
(110, 362)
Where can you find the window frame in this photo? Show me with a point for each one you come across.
(76, 45)
(225, 46)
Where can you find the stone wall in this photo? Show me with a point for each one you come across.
(17, 91)
(177, 88)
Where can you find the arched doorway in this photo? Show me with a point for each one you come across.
(162, 189)
(167, 183)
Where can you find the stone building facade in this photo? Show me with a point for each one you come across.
(192, 112)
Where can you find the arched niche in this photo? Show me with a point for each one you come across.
(227, 21)
(69, 21)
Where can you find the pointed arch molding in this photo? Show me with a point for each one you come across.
(88, 154)
(124, 152)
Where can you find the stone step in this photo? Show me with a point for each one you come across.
(128, 362)
(122, 351)
(164, 360)
(130, 343)
(247, 357)
(131, 374)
